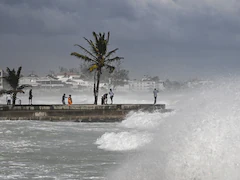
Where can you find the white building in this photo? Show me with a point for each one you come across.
(30, 80)
(47, 82)
(42, 82)
(145, 85)
(74, 80)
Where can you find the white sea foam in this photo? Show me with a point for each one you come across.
(123, 141)
(139, 126)
(200, 141)
(144, 120)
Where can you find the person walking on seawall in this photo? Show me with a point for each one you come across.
(63, 99)
(8, 99)
(155, 91)
(111, 95)
(69, 100)
(30, 97)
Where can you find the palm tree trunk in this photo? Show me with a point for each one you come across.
(14, 97)
(96, 88)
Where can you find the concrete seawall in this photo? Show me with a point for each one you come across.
(76, 112)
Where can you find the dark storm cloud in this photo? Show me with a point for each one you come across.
(58, 16)
(166, 35)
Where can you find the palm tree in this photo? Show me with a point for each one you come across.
(12, 78)
(98, 57)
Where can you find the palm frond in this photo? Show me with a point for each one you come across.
(24, 86)
(85, 50)
(113, 59)
(92, 45)
(93, 67)
(83, 57)
(8, 71)
(19, 71)
(111, 52)
(101, 43)
(4, 91)
(12, 78)
(96, 37)
(108, 37)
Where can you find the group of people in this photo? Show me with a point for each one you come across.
(9, 98)
(111, 94)
(69, 99)
(105, 97)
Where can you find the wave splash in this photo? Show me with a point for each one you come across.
(199, 142)
(135, 132)
(123, 141)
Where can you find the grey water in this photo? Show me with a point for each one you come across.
(199, 140)
(45, 150)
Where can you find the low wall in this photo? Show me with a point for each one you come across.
(77, 113)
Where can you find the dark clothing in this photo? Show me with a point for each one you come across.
(63, 99)
(30, 97)
(30, 94)
(155, 95)
(104, 99)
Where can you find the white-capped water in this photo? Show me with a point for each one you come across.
(144, 120)
(197, 141)
(123, 141)
(136, 131)
(200, 141)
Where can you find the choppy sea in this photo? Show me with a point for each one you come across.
(199, 140)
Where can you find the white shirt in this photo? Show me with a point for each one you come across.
(155, 93)
(111, 93)
(8, 97)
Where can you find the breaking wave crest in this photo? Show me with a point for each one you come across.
(123, 141)
(135, 131)
(199, 142)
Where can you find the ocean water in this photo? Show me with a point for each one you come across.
(199, 140)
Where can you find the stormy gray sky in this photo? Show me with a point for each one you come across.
(176, 39)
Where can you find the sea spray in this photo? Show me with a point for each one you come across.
(135, 131)
(144, 120)
(123, 141)
(200, 142)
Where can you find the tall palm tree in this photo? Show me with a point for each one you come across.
(98, 57)
(12, 78)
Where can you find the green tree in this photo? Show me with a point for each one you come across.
(98, 57)
(12, 78)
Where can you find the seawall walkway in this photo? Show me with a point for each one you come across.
(76, 112)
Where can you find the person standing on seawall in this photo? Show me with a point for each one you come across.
(69, 100)
(30, 97)
(8, 99)
(111, 95)
(155, 91)
(63, 99)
